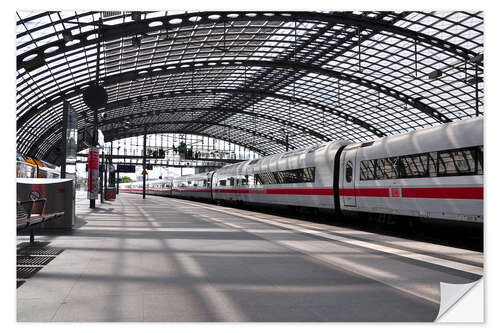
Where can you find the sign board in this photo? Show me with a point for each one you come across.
(125, 168)
(34, 195)
(144, 172)
(93, 181)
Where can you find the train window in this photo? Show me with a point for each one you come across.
(479, 159)
(222, 182)
(457, 162)
(244, 180)
(386, 168)
(413, 166)
(367, 170)
(204, 183)
(279, 177)
(348, 171)
(231, 181)
(286, 177)
(432, 164)
(380, 169)
(463, 161)
(266, 178)
(309, 174)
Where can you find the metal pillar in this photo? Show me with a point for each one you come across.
(477, 93)
(118, 174)
(286, 141)
(111, 161)
(144, 165)
(95, 140)
(101, 178)
(105, 176)
(64, 139)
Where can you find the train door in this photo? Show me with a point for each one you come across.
(211, 184)
(348, 191)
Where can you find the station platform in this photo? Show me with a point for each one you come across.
(171, 260)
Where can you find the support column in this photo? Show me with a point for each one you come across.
(64, 140)
(144, 165)
(95, 140)
(101, 178)
(105, 176)
(477, 93)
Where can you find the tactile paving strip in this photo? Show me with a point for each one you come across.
(25, 272)
(40, 251)
(33, 260)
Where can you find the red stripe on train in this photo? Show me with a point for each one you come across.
(300, 191)
(443, 193)
(179, 190)
(364, 192)
(415, 192)
(419, 192)
(243, 191)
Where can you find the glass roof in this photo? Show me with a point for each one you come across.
(251, 78)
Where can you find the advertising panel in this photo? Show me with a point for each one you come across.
(93, 166)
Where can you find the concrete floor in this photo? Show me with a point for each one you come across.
(164, 259)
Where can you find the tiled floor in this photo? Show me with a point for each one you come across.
(163, 259)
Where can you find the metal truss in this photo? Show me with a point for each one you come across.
(317, 76)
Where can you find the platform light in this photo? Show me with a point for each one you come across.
(67, 36)
(435, 74)
(136, 41)
(477, 59)
(136, 16)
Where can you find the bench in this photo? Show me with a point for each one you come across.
(27, 221)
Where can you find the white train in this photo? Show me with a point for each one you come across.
(433, 173)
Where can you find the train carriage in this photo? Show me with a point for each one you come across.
(193, 186)
(295, 178)
(162, 187)
(432, 173)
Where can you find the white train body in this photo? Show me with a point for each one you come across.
(155, 187)
(295, 178)
(193, 186)
(434, 173)
(452, 191)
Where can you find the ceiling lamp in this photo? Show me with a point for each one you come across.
(67, 36)
(136, 41)
(435, 74)
(136, 16)
(477, 59)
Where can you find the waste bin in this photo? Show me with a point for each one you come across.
(110, 193)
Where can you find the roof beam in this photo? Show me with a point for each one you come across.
(57, 127)
(113, 32)
(163, 70)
